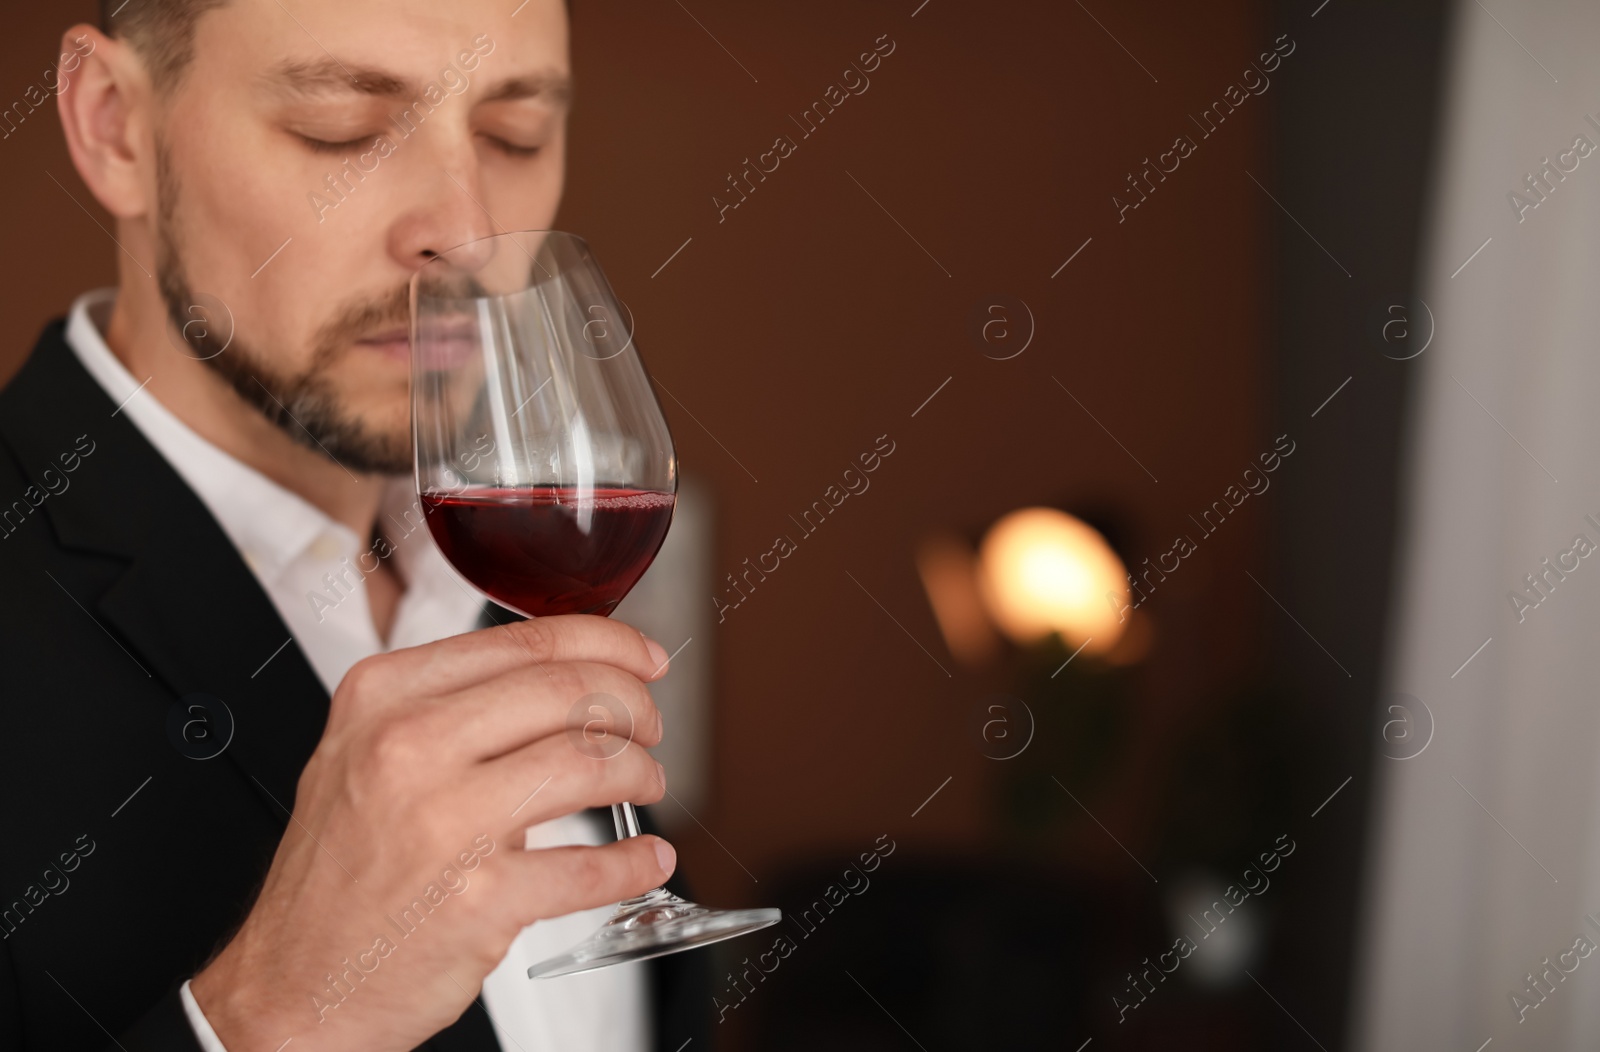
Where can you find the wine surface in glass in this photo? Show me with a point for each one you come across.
(545, 550)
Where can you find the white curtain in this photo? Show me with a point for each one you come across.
(1465, 897)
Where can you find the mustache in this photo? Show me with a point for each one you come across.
(364, 317)
(388, 311)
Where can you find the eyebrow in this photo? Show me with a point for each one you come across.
(329, 76)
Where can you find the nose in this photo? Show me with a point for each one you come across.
(446, 205)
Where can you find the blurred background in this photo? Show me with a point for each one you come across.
(1130, 698)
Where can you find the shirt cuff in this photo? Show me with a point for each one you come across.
(197, 1022)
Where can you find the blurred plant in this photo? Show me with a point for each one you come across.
(1082, 726)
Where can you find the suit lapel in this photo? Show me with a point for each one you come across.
(186, 605)
(194, 613)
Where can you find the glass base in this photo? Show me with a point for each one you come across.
(655, 923)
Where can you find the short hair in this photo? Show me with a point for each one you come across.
(161, 31)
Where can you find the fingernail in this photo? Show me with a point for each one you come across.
(666, 856)
(658, 653)
(661, 775)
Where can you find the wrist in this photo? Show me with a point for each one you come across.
(212, 990)
(241, 1018)
(203, 1031)
(245, 999)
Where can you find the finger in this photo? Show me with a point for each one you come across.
(593, 700)
(561, 880)
(472, 657)
(554, 777)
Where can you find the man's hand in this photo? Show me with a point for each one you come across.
(401, 874)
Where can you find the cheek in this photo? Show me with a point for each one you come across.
(238, 230)
(531, 192)
(240, 195)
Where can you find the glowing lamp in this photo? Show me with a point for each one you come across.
(1042, 571)
(949, 570)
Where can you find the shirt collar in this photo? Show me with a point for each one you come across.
(425, 570)
(269, 525)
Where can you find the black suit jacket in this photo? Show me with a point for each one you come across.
(125, 863)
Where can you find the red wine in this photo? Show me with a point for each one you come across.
(551, 549)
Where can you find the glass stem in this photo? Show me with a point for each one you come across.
(627, 820)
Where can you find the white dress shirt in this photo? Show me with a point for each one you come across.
(309, 566)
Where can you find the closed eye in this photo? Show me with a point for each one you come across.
(511, 149)
(323, 146)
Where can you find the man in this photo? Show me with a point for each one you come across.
(237, 818)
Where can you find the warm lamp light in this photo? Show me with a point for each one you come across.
(1042, 571)
(949, 570)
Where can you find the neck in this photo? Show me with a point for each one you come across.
(197, 395)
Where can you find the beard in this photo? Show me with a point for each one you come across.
(306, 405)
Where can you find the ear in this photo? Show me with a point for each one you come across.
(104, 103)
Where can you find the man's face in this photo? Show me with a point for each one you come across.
(354, 141)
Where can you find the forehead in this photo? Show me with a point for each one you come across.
(306, 49)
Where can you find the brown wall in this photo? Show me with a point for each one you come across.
(53, 249)
(806, 323)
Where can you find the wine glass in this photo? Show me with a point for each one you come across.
(548, 478)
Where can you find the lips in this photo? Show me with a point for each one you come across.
(444, 344)
(392, 343)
